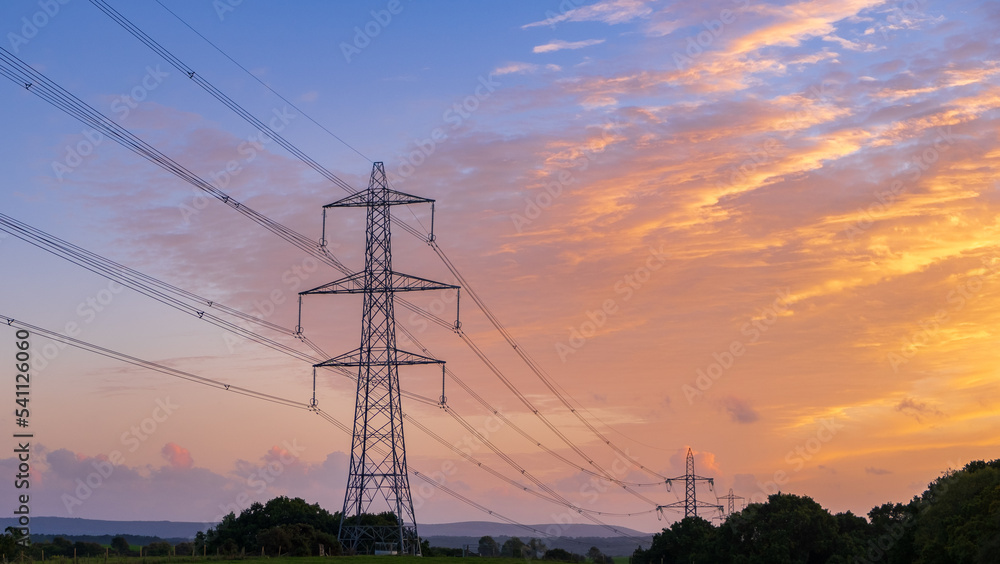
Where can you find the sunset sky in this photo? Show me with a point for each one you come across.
(763, 231)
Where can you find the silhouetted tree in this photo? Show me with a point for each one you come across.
(243, 532)
(120, 545)
(513, 548)
(488, 547)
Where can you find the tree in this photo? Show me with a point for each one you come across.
(200, 543)
(184, 549)
(159, 548)
(488, 547)
(536, 548)
(597, 557)
(120, 545)
(62, 547)
(691, 539)
(297, 540)
(513, 548)
(561, 555)
(234, 533)
(853, 533)
(9, 541)
(958, 516)
(788, 528)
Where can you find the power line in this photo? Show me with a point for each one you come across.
(163, 369)
(150, 286)
(509, 423)
(220, 385)
(87, 114)
(262, 83)
(242, 112)
(348, 145)
(146, 285)
(35, 82)
(141, 282)
(215, 92)
(529, 361)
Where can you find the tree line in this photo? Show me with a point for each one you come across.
(956, 520)
(535, 549)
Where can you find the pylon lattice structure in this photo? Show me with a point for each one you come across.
(377, 481)
(690, 503)
(731, 501)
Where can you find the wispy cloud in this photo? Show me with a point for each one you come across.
(740, 411)
(917, 409)
(559, 45)
(609, 12)
(523, 68)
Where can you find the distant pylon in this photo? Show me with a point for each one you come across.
(731, 499)
(377, 481)
(690, 503)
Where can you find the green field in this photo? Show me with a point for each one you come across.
(272, 560)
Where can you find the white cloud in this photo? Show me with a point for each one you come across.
(523, 68)
(610, 12)
(559, 44)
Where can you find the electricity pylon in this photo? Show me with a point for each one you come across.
(690, 503)
(731, 498)
(377, 481)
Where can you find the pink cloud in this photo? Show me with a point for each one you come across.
(177, 456)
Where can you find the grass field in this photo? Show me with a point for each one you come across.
(272, 560)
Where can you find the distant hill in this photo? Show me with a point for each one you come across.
(78, 527)
(612, 546)
(481, 528)
(575, 538)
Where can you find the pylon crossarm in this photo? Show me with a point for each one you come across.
(403, 358)
(362, 199)
(354, 281)
(399, 282)
(406, 283)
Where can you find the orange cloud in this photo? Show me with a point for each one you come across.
(177, 456)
